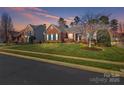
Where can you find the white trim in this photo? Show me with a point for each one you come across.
(78, 39)
(47, 37)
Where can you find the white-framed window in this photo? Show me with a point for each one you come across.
(51, 36)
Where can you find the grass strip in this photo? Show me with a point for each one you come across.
(76, 50)
(68, 60)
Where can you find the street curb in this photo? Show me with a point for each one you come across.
(79, 58)
(81, 67)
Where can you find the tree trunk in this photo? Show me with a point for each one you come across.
(89, 43)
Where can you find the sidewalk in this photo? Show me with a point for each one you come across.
(79, 58)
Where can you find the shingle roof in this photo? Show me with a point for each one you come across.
(75, 29)
(14, 33)
(35, 27)
(61, 29)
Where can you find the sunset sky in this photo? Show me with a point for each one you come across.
(22, 16)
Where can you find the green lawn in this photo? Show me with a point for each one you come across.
(108, 53)
(74, 61)
(1, 44)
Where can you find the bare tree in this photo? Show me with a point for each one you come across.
(6, 26)
(94, 22)
(89, 23)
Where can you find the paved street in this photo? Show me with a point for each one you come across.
(15, 70)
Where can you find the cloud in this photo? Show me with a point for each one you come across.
(19, 26)
(28, 13)
(31, 17)
(34, 15)
(71, 18)
(34, 10)
(47, 15)
(68, 20)
(29, 9)
(37, 9)
(18, 9)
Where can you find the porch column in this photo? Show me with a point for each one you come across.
(78, 39)
(74, 37)
(56, 36)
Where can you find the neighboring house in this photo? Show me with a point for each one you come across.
(17, 37)
(37, 31)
